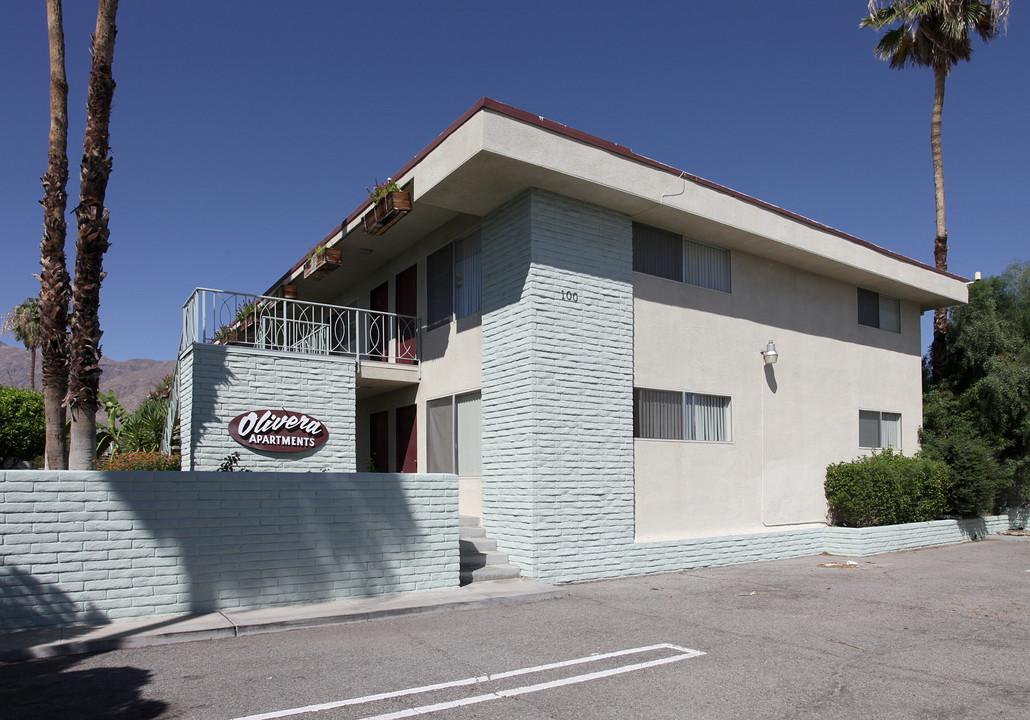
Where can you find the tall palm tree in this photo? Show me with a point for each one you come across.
(935, 34)
(23, 323)
(53, 278)
(91, 243)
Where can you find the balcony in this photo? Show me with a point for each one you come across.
(382, 339)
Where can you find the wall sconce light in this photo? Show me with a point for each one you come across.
(769, 354)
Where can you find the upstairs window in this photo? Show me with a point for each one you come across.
(667, 255)
(879, 311)
(672, 415)
(454, 281)
(879, 429)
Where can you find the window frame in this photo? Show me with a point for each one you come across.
(687, 248)
(880, 428)
(686, 420)
(456, 435)
(444, 308)
(866, 310)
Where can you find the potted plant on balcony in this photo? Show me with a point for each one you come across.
(225, 335)
(321, 261)
(247, 313)
(389, 204)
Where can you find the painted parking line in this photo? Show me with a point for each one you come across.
(680, 653)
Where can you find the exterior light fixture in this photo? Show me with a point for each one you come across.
(769, 354)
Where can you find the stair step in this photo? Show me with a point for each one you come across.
(470, 561)
(477, 545)
(469, 521)
(490, 572)
(470, 533)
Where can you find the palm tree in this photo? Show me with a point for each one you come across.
(53, 278)
(23, 323)
(91, 243)
(935, 34)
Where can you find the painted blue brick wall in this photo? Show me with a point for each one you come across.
(90, 547)
(222, 382)
(557, 381)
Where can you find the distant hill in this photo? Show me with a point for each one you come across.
(130, 380)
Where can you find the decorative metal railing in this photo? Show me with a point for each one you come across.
(228, 318)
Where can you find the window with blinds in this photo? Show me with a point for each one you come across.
(879, 429)
(670, 415)
(454, 281)
(879, 311)
(667, 255)
(454, 434)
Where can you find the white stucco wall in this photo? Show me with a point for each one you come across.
(789, 421)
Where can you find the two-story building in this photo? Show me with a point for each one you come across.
(618, 359)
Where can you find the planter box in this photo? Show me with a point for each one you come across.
(318, 266)
(387, 210)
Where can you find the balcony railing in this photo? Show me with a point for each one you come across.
(270, 323)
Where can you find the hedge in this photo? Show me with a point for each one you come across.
(886, 488)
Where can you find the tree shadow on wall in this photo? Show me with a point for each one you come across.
(47, 689)
(261, 539)
(28, 602)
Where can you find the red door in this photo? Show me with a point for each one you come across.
(406, 303)
(407, 439)
(378, 326)
(379, 441)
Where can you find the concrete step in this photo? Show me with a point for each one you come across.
(469, 521)
(470, 533)
(471, 561)
(477, 545)
(490, 572)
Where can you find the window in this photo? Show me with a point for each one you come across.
(879, 311)
(879, 429)
(669, 415)
(455, 280)
(454, 434)
(664, 254)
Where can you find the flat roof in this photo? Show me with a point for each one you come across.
(495, 151)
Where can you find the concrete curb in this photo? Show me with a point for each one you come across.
(36, 644)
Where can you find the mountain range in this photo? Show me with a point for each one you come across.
(131, 380)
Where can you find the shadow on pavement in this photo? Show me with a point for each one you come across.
(50, 689)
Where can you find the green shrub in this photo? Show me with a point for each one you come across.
(885, 488)
(139, 461)
(22, 427)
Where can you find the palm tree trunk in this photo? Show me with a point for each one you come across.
(53, 279)
(32, 368)
(92, 219)
(939, 348)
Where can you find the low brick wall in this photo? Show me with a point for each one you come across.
(860, 542)
(92, 547)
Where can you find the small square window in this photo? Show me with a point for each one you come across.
(879, 429)
(879, 311)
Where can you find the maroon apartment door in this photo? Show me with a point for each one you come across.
(407, 439)
(406, 303)
(378, 335)
(379, 441)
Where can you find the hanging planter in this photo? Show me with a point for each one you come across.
(322, 261)
(390, 205)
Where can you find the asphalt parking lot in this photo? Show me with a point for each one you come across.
(936, 633)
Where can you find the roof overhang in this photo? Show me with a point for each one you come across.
(495, 152)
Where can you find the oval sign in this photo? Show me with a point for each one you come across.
(279, 431)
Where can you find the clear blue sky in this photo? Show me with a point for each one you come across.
(244, 131)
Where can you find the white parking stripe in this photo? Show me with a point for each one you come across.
(682, 654)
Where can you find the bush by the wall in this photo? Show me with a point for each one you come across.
(22, 427)
(885, 488)
(139, 461)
